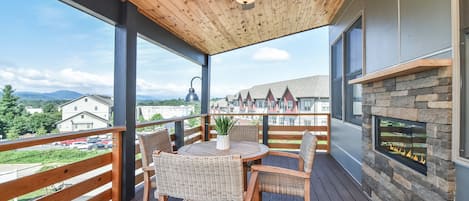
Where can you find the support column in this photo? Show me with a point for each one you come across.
(179, 133)
(265, 130)
(125, 92)
(205, 103)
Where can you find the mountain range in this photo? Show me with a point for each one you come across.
(61, 95)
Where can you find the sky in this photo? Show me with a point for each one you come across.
(47, 46)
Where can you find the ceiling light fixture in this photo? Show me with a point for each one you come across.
(246, 4)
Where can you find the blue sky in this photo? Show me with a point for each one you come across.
(48, 46)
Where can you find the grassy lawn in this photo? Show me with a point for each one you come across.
(32, 195)
(47, 156)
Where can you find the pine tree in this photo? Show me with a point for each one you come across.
(9, 102)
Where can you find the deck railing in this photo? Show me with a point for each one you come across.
(272, 134)
(286, 134)
(27, 184)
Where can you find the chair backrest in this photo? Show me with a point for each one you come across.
(308, 150)
(199, 178)
(244, 133)
(158, 140)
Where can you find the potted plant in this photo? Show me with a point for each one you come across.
(223, 125)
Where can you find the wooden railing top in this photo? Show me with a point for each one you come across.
(269, 114)
(28, 142)
(164, 121)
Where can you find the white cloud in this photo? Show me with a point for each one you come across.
(27, 79)
(271, 54)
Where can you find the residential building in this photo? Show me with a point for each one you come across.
(397, 109)
(302, 95)
(166, 112)
(84, 113)
(32, 110)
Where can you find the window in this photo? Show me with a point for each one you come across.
(290, 105)
(272, 104)
(75, 108)
(307, 122)
(291, 122)
(281, 104)
(353, 69)
(325, 108)
(95, 108)
(464, 139)
(306, 104)
(337, 65)
(82, 116)
(86, 100)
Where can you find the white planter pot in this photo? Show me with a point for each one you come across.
(223, 142)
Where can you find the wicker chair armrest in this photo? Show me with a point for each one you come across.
(252, 193)
(279, 170)
(284, 154)
(149, 168)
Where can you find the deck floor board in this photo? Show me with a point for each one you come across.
(329, 181)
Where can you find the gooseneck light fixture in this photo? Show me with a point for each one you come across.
(192, 96)
(246, 4)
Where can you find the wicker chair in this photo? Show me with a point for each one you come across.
(148, 143)
(202, 178)
(285, 181)
(244, 133)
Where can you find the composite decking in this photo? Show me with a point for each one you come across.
(329, 182)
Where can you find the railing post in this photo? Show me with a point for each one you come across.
(206, 128)
(329, 133)
(179, 133)
(265, 129)
(116, 166)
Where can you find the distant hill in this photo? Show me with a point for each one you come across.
(56, 95)
(67, 95)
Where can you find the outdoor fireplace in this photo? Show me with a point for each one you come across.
(402, 140)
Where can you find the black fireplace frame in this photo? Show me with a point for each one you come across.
(421, 168)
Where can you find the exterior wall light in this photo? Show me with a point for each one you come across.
(192, 96)
(246, 4)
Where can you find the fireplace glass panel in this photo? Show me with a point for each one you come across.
(402, 140)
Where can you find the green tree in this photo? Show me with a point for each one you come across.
(9, 102)
(156, 117)
(49, 108)
(13, 134)
(41, 131)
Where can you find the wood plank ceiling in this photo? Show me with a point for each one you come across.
(215, 26)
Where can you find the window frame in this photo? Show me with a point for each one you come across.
(337, 81)
(289, 104)
(348, 74)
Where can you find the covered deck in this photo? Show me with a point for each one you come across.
(199, 31)
(329, 181)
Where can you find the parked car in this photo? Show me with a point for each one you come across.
(107, 143)
(79, 145)
(95, 145)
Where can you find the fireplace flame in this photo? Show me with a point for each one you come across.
(401, 151)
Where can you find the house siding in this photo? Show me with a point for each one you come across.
(396, 31)
(89, 105)
(78, 123)
(346, 140)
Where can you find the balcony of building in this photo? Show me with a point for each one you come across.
(196, 30)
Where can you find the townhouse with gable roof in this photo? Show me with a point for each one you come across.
(86, 112)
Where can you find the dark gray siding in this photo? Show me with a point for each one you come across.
(398, 31)
(346, 139)
(462, 181)
(425, 27)
(347, 147)
(381, 30)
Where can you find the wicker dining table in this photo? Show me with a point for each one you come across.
(249, 151)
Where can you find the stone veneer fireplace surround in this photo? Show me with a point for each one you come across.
(418, 91)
